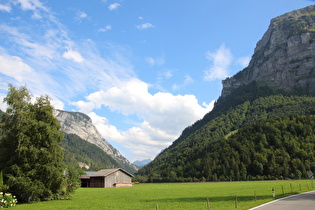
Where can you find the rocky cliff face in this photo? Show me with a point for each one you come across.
(284, 57)
(81, 125)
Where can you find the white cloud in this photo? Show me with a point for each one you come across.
(44, 49)
(37, 58)
(43, 46)
(106, 130)
(243, 61)
(221, 59)
(106, 28)
(57, 104)
(5, 8)
(35, 5)
(155, 61)
(187, 80)
(81, 15)
(3, 106)
(145, 26)
(167, 74)
(163, 115)
(113, 6)
(30, 4)
(14, 67)
(74, 55)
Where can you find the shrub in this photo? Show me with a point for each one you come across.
(7, 200)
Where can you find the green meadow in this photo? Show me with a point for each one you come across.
(221, 195)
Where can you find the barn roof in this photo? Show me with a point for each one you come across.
(84, 177)
(107, 172)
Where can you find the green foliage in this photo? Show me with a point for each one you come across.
(1, 178)
(7, 200)
(72, 176)
(79, 151)
(31, 157)
(193, 156)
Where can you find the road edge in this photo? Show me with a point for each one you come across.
(270, 202)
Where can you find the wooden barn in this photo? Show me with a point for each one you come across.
(107, 178)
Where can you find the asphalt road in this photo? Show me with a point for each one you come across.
(303, 201)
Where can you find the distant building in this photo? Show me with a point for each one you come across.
(107, 178)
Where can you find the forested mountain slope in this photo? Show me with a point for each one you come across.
(82, 154)
(276, 87)
(183, 159)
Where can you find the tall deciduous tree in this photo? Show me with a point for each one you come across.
(31, 157)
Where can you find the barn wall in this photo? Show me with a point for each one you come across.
(117, 177)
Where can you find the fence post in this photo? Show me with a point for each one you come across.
(236, 201)
(273, 192)
(282, 190)
(291, 187)
(157, 207)
(208, 204)
(255, 197)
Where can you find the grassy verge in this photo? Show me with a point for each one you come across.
(221, 195)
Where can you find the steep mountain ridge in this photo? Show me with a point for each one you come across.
(274, 85)
(284, 57)
(81, 125)
(83, 154)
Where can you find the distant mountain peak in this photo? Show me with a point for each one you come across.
(142, 163)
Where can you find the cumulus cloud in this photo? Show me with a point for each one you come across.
(103, 126)
(73, 55)
(145, 26)
(113, 6)
(161, 114)
(221, 60)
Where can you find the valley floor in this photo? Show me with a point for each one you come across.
(219, 195)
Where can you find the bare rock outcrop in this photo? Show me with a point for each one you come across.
(284, 57)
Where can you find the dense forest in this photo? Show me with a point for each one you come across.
(204, 150)
(281, 148)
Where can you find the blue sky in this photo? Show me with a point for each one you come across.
(143, 70)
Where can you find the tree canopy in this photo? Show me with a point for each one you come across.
(31, 157)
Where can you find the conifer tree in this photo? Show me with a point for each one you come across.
(31, 158)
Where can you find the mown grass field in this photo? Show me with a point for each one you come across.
(221, 195)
